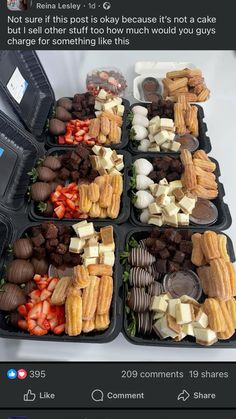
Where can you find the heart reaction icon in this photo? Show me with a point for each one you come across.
(21, 374)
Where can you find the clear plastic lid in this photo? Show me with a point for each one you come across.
(108, 78)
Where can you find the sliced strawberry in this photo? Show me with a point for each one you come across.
(52, 284)
(60, 211)
(59, 329)
(55, 196)
(37, 278)
(45, 294)
(70, 204)
(68, 195)
(35, 295)
(71, 187)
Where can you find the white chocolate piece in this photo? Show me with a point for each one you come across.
(175, 146)
(187, 204)
(107, 258)
(153, 188)
(164, 181)
(171, 221)
(162, 190)
(91, 252)
(184, 313)
(201, 320)
(171, 306)
(155, 120)
(171, 210)
(171, 138)
(157, 327)
(120, 110)
(169, 327)
(158, 304)
(183, 219)
(175, 184)
(154, 148)
(156, 220)
(154, 208)
(163, 200)
(206, 337)
(161, 137)
(76, 245)
(158, 316)
(189, 300)
(166, 145)
(188, 329)
(166, 122)
(104, 248)
(90, 261)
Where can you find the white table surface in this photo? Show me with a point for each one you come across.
(67, 71)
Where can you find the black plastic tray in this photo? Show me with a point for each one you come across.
(125, 200)
(8, 331)
(204, 140)
(6, 234)
(38, 99)
(19, 152)
(224, 219)
(51, 141)
(153, 339)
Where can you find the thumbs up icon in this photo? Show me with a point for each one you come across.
(29, 396)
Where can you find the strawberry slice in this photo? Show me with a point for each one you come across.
(60, 211)
(70, 204)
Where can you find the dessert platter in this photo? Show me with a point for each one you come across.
(112, 216)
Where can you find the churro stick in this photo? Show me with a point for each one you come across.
(186, 157)
(180, 90)
(81, 276)
(197, 258)
(215, 316)
(222, 243)
(90, 298)
(192, 120)
(220, 276)
(232, 276)
(208, 166)
(204, 95)
(112, 117)
(190, 178)
(102, 321)
(231, 306)
(204, 193)
(230, 329)
(177, 84)
(193, 72)
(179, 119)
(206, 183)
(105, 295)
(201, 154)
(201, 172)
(183, 101)
(167, 82)
(178, 74)
(190, 97)
(88, 325)
(210, 245)
(73, 312)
